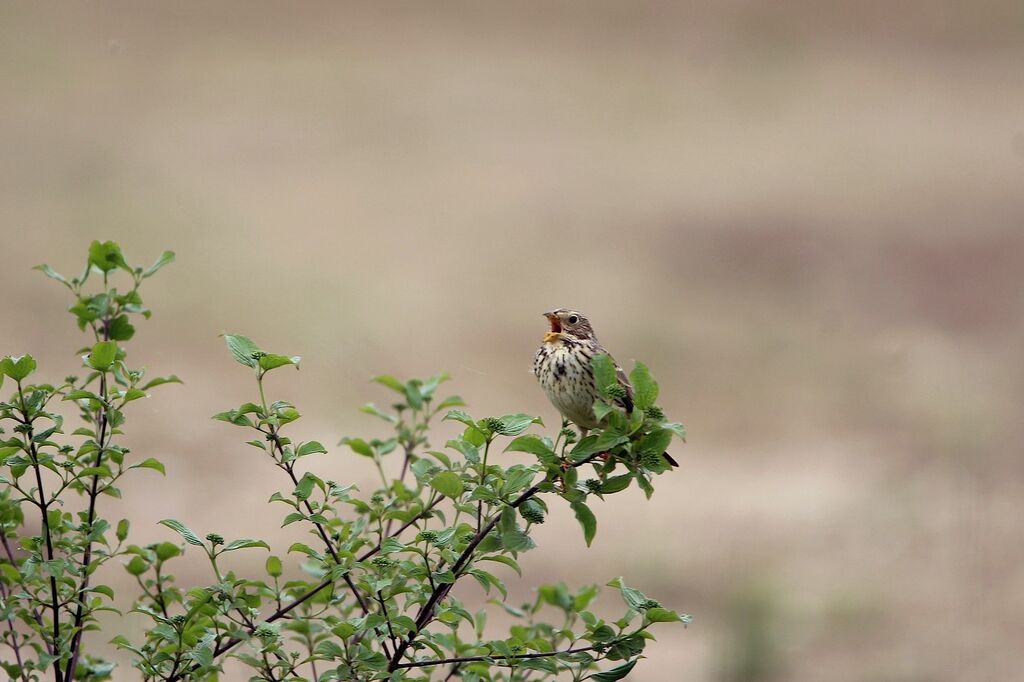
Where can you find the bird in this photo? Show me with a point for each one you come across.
(564, 367)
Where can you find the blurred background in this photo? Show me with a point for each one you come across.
(805, 217)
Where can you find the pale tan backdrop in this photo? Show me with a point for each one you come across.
(806, 219)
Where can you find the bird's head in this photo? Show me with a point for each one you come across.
(567, 323)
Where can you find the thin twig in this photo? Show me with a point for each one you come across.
(43, 507)
(426, 613)
(473, 659)
(102, 425)
(229, 644)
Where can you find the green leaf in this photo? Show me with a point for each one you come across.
(159, 381)
(602, 442)
(166, 258)
(501, 559)
(120, 329)
(104, 590)
(18, 367)
(202, 654)
(587, 520)
(122, 529)
(460, 416)
(359, 446)
(51, 273)
(645, 388)
(310, 448)
(106, 256)
(102, 355)
(391, 382)
(616, 484)
(167, 550)
(514, 424)
(655, 441)
(660, 615)
(182, 530)
(634, 598)
(516, 540)
(678, 429)
(370, 408)
(243, 544)
(613, 674)
(604, 371)
(271, 361)
(242, 348)
(448, 483)
(150, 463)
(274, 566)
(79, 394)
(530, 443)
(305, 487)
(137, 565)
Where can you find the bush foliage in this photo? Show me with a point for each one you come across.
(375, 600)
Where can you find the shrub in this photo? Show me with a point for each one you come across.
(376, 598)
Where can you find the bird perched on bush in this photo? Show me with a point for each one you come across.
(564, 366)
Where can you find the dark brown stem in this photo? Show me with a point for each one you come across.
(426, 613)
(229, 644)
(15, 644)
(35, 612)
(472, 659)
(76, 642)
(43, 508)
(387, 619)
(323, 533)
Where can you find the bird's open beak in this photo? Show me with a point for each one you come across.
(556, 328)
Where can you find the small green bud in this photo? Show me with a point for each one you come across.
(70, 379)
(377, 498)
(532, 512)
(654, 412)
(569, 435)
(494, 424)
(215, 539)
(257, 354)
(650, 604)
(265, 631)
(427, 536)
(382, 562)
(651, 459)
(23, 428)
(616, 391)
(592, 485)
(179, 619)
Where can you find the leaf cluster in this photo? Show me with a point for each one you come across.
(366, 589)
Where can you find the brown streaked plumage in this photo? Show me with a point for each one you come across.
(563, 367)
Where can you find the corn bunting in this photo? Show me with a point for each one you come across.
(563, 366)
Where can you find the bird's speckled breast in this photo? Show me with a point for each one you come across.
(565, 373)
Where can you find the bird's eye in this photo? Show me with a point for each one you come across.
(573, 319)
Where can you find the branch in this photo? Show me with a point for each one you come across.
(76, 627)
(43, 507)
(473, 659)
(309, 594)
(427, 611)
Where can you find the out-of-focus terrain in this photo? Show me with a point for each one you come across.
(807, 219)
